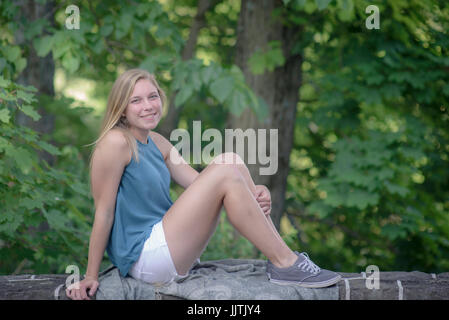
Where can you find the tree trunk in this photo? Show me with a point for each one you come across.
(279, 89)
(170, 121)
(39, 72)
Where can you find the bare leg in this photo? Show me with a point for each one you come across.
(192, 219)
(252, 187)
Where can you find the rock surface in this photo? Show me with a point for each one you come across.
(394, 285)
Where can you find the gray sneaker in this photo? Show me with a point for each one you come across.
(303, 272)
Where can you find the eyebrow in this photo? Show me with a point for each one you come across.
(154, 92)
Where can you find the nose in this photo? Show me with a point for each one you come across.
(147, 103)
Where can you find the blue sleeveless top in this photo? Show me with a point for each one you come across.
(143, 197)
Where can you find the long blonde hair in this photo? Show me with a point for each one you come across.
(118, 101)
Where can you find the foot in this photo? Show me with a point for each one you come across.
(303, 272)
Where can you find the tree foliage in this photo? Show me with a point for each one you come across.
(43, 221)
(374, 135)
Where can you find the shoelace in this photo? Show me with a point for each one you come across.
(308, 265)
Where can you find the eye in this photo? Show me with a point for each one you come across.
(135, 100)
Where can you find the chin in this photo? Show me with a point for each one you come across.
(153, 125)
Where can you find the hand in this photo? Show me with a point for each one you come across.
(263, 197)
(78, 290)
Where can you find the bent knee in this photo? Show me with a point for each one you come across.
(229, 158)
(227, 165)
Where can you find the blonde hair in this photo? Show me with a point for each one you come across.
(118, 100)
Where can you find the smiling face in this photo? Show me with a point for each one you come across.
(144, 109)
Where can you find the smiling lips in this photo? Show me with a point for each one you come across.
(149, 116)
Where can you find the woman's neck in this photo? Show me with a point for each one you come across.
(141, 135)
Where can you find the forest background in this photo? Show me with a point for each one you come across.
(358, 91)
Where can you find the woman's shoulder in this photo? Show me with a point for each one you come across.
(161, 142)
(114, 138)
(114, 144)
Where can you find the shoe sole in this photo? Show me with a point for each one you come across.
(321, 284)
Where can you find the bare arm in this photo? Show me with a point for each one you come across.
(181, 172)
(111, 156)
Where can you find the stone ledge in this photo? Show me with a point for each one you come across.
(394, 285)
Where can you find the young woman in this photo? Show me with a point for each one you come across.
(149, 237)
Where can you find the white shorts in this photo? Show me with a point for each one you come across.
(155, 264)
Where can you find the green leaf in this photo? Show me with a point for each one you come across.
(269, 60)
(207, 73)
(182, 96)
(106, 30)
(257, 63)
(346, 12)
(30, 204)
(374, 78)
(70, 62)
(236, 102)
(9, 222)
(12, 53)
(385, 173)
(195, 80)
(20, 64)
(49, 148)
(299, 4)
(221, 88)
(4, 82)
(393, 232)
(4, 115)
(274, 57)
(31, 112)
(320, 208)
(56, 219)
(3, 143)
(322, 4)
(237, 74)
(43, 45)
(80, 188)
(25, 96)
(412, 153)
(396, 189)
(334, 199)
(361, 199)
(259, 106)
(149, 64)
(60, 48)
(21, 156)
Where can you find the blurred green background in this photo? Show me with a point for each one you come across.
(368, 173)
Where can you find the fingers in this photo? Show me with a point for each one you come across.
(266, 210)
(263, 197)
(74, 294)
(83, 294)
(93, 289)
(68, 293)
(82, 291)
(265, 205)
(262, 194)
(77, 294)
(258, 194)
